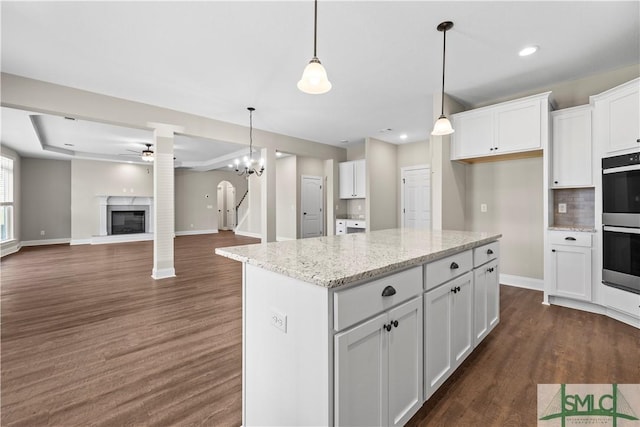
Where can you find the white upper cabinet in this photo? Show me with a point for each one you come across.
(508, 128)
(571, 147)
(617, 117)
(352, 179)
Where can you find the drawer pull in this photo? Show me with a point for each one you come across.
(388, 291)
(453, 266)
(571, 239)
(489, 252)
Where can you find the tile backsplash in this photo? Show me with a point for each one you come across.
(579, 204)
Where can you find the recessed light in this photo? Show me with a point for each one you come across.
(278, 154)
(385, 130)
(528, 50)
(344, 141)
(403, 136)
(69, 118)
(230, 166)
(69, 145)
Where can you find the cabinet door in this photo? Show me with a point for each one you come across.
(486, 300)
(571, 269)
(517, 127)
(346, 180)
(405, 362)
(571, 148)
(437, 338)
(361, 374)
(462, 321)
(623, 116)
(473, 136)
(359, 180)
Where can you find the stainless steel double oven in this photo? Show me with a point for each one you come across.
(621, 222)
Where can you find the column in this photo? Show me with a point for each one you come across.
(163, 201)
(268, 207)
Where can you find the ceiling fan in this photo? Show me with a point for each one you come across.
(146, 154)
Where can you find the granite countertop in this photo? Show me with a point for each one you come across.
(579, 228)
(351, 216)
(333, 261)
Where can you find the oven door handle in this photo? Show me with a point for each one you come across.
(621, 169)
(621, 229)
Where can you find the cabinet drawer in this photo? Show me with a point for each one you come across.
(341, 222)
(354, 223)
(360, 302)
(570, 238)
(485, 253)
(440, 271)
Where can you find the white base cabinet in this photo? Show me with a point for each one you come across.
(486, 299)
(378, 367)
(448, 330)
(571, 265)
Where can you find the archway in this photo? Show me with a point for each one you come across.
(226, 206)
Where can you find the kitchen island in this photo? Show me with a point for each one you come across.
(360, 329)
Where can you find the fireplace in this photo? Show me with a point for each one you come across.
(127, 222)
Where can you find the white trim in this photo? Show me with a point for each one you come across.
(283, 239)
(522, 282)
(249, 234)
(194, 232)
(163, 273)
(46, 242)
(596, 309)
(80, 242)
(121, 238)
(9, 247)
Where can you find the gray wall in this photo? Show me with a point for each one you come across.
(46, 199)
(195, 192)
(382, 196)
(286, 198)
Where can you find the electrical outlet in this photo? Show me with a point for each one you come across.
(42, 232)
(191, 225)
(209, 206)
(279, 320)
(483, 207)
(562, 208)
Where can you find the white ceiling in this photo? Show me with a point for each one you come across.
(216, 58)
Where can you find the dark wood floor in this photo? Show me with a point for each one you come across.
(88, 338)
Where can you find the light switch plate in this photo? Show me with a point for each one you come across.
(279, 320)
(483, 207)
(562, 208)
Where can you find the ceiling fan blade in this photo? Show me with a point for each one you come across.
(133, 151)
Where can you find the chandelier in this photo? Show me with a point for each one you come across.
(249, 163)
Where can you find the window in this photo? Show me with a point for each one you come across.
(6, 199)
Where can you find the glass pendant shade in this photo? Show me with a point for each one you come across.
(314, 79)
(442, 127)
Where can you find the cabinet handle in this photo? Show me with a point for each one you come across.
(388, 291)
(387, 327)
(491, 149)
(453, 266)
(489, 252)
(555, 182)
(395, 323)
(458, 288)
(454, 290)
(553, 250)
(638, 140)
(571, 239)
(496, 148)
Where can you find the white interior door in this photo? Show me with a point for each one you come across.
(311, 202)
(416, 197)
(221, 209)
(231, 206)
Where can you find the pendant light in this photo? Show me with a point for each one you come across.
(250, 164)
(314, 79)
(443, 125)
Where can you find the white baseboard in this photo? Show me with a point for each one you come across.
(283, 239)
(121, 238)
(80, 242)
(522, 282)
(163, 273)
(194, 232)
(9, 248)
(248, 234)
(596, 308)
(45, 242)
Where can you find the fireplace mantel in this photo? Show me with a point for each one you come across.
(124, 203)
